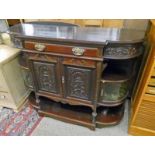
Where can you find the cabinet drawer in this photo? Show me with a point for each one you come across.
(79, 62)
(150, 90)
(3, 86)
(62, 49)
(153, 73)
(5, 98)
(152, 81)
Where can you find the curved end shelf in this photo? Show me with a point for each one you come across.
(112, 103)
(114, 89)
(114, 77)
(111, 117)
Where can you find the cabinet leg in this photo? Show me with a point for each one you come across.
(38, 101)
(94, 114)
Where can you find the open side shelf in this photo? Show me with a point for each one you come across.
(113, 86)
(80, 115)
(109, 115)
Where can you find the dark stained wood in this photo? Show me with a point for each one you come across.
(90, 52)
(81, 35)
(109, 116)
(63, 55)
(12, 22)
(69, 100)
(71, 114)
(79, 62)
(46, 76)
(79, 82)
(68, 65)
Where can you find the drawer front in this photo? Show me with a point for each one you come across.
(150, 90)
(5, 98)
(79, 62)
(153, 73)
(3, 86)
(152, 81)
(62, 49)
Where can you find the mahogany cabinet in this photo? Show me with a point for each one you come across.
(79, 75)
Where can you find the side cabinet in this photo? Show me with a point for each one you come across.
(13, 93)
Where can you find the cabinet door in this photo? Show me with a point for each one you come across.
(79, 82)
(46, 76)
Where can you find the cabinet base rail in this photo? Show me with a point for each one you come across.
(79, 115)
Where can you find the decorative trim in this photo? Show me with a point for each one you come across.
(122, 52)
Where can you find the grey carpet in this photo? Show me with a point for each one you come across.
(52, 127)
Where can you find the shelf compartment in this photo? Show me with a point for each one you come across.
(109, 116)
(111, 103)
(150, 90)
(79, 115)
(113, 86)
(152, 81)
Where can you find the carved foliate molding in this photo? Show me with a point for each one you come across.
(45, 74)
(41, 57)
(79, 83)
(121, 52)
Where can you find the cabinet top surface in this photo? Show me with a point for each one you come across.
(100, 36)
(7, 53)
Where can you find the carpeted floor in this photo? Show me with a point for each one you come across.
(18, 124)
(52, 127)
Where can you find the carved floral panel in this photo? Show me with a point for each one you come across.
(46, 76)
(78, 82)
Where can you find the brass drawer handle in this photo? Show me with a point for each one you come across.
(39, 47)
(78, 51)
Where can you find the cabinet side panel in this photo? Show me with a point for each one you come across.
(3, 85)
(14, 79)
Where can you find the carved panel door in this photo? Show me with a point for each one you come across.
(79, 82)
(46, 76)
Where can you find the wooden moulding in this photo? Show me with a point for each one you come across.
(112, 103)
(120, 52)
(64, 112)
(109, 115)
(62, 49)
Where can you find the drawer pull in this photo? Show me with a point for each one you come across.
(78, 51)
(39, 47)
(2, 97)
